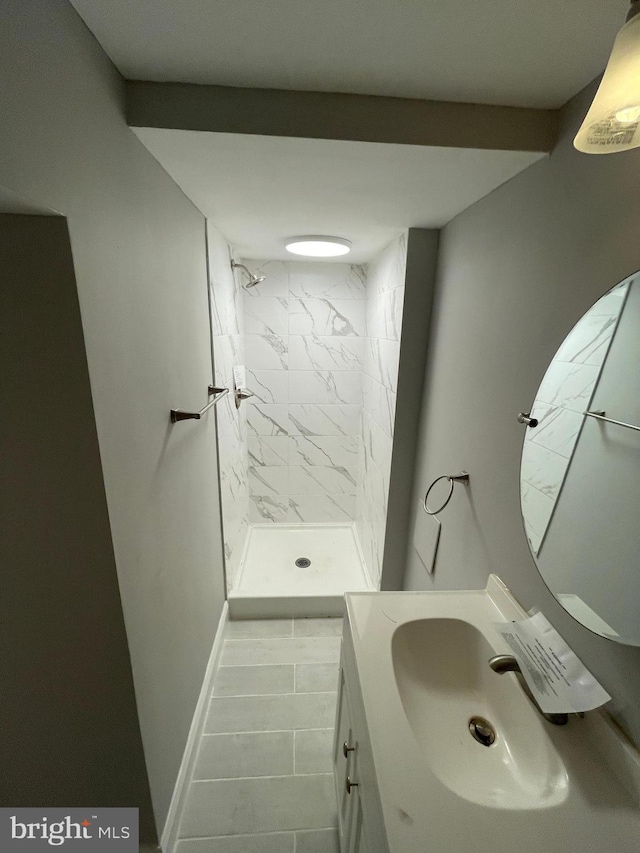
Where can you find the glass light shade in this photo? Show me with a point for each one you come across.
(613, 121)
(317, 246)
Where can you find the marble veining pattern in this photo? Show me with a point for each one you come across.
(305, 353)
(557, 429)
(319, 280)
(564, 395)
(385, 277)
(315, 352)
(267, 418)
(380, 403)
(268, 450)
(277, 279)
(228, 350)
(268, 508)
(325, 387)
(320, 342)
(269, 480)
(321, 480)
(381, 361)
(265, 315)
(384, 315)
(568, 385)
(269, 386)
(321, 508)
(338, 451)
(343, 317)
(311, 420)
(267, 352)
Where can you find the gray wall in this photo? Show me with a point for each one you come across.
(337, 115)
(516, 271)
(138, 249)
(68, 724)
(419, 285)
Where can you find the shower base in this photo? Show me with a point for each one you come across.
(271, 585)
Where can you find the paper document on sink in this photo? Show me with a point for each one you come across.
(557, 678)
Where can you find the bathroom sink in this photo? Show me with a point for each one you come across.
(421, 661)
(447, 690)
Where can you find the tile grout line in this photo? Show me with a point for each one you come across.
(264, 695)
(312, 636)
(265, 777)
(294, 753)
(293, 691)
(292, 637)
(250, 834)
(253, 695)
(268, 731)
(306, 663)
(293, 663)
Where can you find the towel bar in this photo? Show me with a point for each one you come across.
(600, 416)
(180, 415)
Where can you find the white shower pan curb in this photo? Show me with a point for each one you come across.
(271, 586)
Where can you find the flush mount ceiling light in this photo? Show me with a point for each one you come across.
(612, 123)
(318, 246)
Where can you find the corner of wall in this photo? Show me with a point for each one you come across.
(420, 282)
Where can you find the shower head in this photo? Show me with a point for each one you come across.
(253, 279)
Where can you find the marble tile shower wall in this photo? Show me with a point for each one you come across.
(305, 337)
(228, 350)
(385, 278)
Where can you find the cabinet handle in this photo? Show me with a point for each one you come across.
(346, 749)
(349, 785)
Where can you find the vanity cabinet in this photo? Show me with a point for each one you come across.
(414, 671)
(360, 821)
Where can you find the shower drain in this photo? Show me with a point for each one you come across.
(303, 563)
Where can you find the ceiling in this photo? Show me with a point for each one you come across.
(536, 54)
(258, 190)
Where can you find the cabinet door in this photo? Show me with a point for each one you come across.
(343, 764)
(357, 837)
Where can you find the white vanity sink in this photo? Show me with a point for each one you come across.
(422, 675)
(444, 681)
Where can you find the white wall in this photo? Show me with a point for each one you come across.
(385, 278)
(138, 249)
(516, 271)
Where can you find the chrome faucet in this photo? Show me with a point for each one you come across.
(507, 663)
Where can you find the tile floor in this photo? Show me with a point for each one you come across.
(262, 778)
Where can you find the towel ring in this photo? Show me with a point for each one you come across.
(463, 477)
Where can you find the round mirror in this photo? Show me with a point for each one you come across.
(580, 470)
